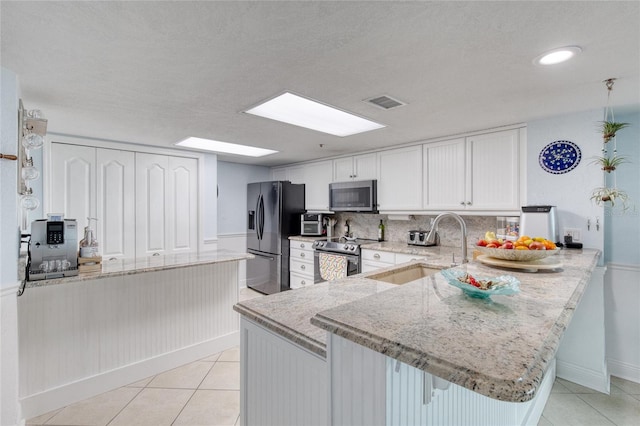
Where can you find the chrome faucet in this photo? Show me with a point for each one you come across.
(431, 237)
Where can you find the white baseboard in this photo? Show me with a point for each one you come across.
(624, 370)
(52, 399)
(595, 380)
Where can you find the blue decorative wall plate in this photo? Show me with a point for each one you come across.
(560, 157)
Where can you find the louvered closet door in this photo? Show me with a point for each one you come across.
(72, 191)
(115, 195)
(152, 224)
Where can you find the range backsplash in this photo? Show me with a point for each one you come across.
(366, 226)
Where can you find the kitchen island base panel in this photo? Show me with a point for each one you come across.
(370, 388)
(281, 383)
(82, 338)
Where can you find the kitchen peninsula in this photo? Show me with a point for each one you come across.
(84, 335)
(363, 351)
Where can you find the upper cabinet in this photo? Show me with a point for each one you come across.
(477, 173)
(400, 179)
(316, 177)
(359, 167)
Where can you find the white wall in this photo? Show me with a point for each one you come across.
(9, 406)
(232, 201)
(570, 192)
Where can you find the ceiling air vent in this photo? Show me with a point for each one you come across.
(385, 102)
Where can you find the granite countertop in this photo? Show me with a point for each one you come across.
(499, 347)
(118, 267)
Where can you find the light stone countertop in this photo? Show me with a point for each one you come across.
(499, 347)
(119, 267)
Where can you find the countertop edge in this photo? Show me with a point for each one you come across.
(282, 331)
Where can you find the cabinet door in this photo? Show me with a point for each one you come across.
(342, 169)
(115, 177)
(279, 174)
(400, 181)
(365, 167)
(73, 184)
(296, 174)
(445, 175)
(152, 225)
(317, 177)
(182, 205)
(494, 180)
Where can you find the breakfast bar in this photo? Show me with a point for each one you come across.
(399, 354)
(83, 335)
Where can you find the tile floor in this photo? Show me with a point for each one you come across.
(206, 392)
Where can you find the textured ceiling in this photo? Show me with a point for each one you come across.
(156, 72)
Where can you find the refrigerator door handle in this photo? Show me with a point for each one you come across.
(261, 216)
(257, 218)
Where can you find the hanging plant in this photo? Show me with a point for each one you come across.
(609, 164)
(609, 129)
(605, 195)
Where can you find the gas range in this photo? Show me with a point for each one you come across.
(343, 246)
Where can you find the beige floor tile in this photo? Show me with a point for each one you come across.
(622, 410)
(40, 420)
(615, 390)
(212, 358)
(627, 386)
(559, 387)
(569, 410)
(223, 376)
(98, 410)
(186, 377)
(141, 383)
(574, 387)
(153, 407)
(210, 407)
(544, 422)
(232, 354)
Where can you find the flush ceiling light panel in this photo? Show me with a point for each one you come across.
(557, 56)
(224, 147)
(293, 109)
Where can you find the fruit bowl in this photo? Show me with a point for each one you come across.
(502, 285)
(516, 255)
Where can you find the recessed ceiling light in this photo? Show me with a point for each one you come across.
(224, 147)
(303, 112)
(556, 56)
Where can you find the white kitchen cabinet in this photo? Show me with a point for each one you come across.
(358, 167)
(377, 259)
(279, 173)
(115, 204)
(166, 204)
(301, 264)
(400, 179)
(479, 172)
(316, 177)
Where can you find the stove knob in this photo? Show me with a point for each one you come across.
(353, 248)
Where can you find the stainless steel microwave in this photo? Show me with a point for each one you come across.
(354, 196)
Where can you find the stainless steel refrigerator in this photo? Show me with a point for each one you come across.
(274, 210)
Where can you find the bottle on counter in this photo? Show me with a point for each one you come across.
(89, 246)
(381, 231)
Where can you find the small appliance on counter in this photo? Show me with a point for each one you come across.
(419, 238)
(540, 221)
(313, 224)
(53, 249)
(508, 228)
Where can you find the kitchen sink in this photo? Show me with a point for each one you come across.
(405, 274)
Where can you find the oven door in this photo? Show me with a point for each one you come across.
(353, 264)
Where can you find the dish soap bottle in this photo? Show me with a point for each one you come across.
(381, 231)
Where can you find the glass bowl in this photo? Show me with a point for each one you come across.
(504, 284)
(516, 255)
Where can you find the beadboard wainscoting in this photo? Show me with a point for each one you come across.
(83, 338)
(280, 383)
(622, 300)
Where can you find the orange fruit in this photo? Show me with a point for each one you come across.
(521, 247)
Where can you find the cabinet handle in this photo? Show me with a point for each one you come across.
(301, 254)
(301, 245)
(156, 254)
(376, 256)
(113, 258)
(468, 203)
(303, 282)
(462, 203)
(302, 267)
